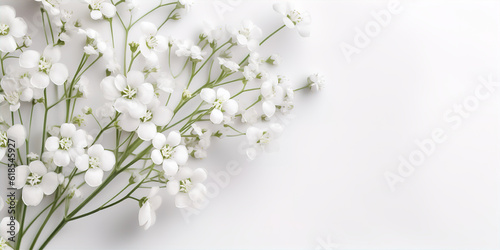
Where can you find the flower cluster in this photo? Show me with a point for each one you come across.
(155, 119)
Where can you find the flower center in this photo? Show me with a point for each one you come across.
(4, 140)
(167, 151)
(148, 116)
(93, 162)
(185, 185)
(295, 16)
(265, 138)
(4, 29)
(33, 179)
(65, 143)
(151, 42)
(12, 97)
(218, 104)
(44, 65)
(96, 5)
(129, 92)
(245, 32)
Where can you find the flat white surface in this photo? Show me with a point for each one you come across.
(327, 183)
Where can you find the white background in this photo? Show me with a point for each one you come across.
(327, 183)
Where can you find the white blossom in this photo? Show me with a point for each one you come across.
(147, 212)
(95, 163)
(52, 6)
(316, 82)
(188, 188)
(221, 102)
(68, 145)
(169, 152)
(11, 27)
(294, 18)
(100, 8)
(228, 65)
(5, 231)
(262, 139)
(188, 49)
(150, 41)
(35, 181)
(247, 35)
(46, 67)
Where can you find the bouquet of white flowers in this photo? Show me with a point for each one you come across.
(162, 101)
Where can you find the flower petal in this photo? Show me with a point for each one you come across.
(145, 93)
(156, 157)
(182, 200)
(181, 154)
(37, 167)
(82, 162)
(216, 116)
(32, 195)
(159, 141)
(146, 131)
(21, 174)
(108, 88)
(58, 73)
(208, 95)
(7, 44)
(223, 94)
(29, 59)
(18, 134)
(49, 183)
(269, 108)
(108, 10)
(170, 167)
(144, 213)
(8, 13)
(18, 27)
(67, 130)
(148, 29)
(40, 80)
(107, 160)
(135, 78)
(93, 177)
(173, 187)
(52, 143)
(199, 175)
(61, 158)
(128, 123)
(173, 139)
(230, 107)
(95, 14)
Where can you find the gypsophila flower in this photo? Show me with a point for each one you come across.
(68, 145)
(100, 9)
(150, 41)
(11, 27)
(52, 6)
(247, 35)
(4, 245)
(17, 133)
(220, 102)
(148, 207)
(186, 4)
(228, 66)
(95, 163)
(169, 152)
(130, 95)
(294, 17)
(188, 188)
(316, 82)
(45, 67)
(33, 156)
(187, 49)
(262, 139)
(35, 181)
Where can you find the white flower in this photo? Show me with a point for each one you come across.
(316, 82)
(228, 66)
(273, 94)
(94, 44)
(11, 27)
(95, 163)
(12, 93)
(294, 18)
(169, 152)
(46, 66)
(52, 6)
(150, 41)
(68, 145)
(212, 33)
(188, 188)
(197, 146)
(221, 102)
(250, 116)
(147, 212)
(17, 133)
(4, 245)
(130, 95)
(155, 115)
(274, 59)
(132, 4)
(165, 83)
(100, 8)
(33, 156)
(35, 181)
(186, 48)
(262, 139)
(247, 35)
(186, 4)
(5, 229)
